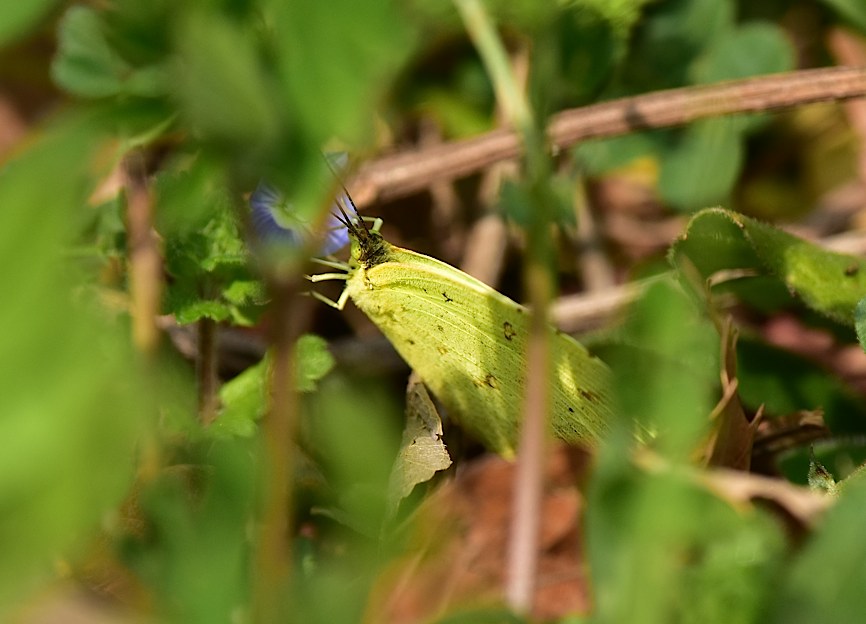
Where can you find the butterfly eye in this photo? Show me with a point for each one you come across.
(272, 223)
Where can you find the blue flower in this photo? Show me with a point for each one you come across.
(272, 221)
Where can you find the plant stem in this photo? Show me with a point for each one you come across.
(522, 560)
(272, 565)
(145, 261)
(206, 371)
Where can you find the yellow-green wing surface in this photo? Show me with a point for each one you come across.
(468, 343)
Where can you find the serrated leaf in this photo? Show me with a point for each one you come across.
(243, 401)
(205, 253)
(198, 309)
(422, 451)
(245, 292)
(314, 361)
(830, 283)
(860, 322)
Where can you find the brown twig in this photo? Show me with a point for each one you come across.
(13, 127)
(593, 264)
(145, 260)
(405, 173)
(272, 569)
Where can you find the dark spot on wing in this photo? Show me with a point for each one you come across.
(508, 330)
(447, 298)
(589, 395)
(852, 270)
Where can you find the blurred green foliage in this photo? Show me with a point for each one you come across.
(677, 44)
(73, 391)
(101, 442)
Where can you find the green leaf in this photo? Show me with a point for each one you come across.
(422, 451)
(221, 85)
(480, 615)
(785, 383)
(314, 361)
(350, 427)
(17, 17)
(195, 555)
(87, 65)
(336, 60)
(666, 369)
(854, 11)
(703, 166)
(750, 50)
(673, 34)
(824, 583)
(191, 311)
(599, 156)
(204, 251)
(829, 283)
(244, 398)
(754, 49)
(661, 549)
(592, 37)
(190, 189)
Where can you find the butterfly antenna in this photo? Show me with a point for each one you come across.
(349, 222)
(358, 218)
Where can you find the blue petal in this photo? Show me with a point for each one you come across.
(336, 234)
(266, 199)
(263, 201)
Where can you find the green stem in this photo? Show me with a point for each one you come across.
(529, 478)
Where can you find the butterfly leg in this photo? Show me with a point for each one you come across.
(339, 304)
(327, 277)
(376, 221)
(332, 263)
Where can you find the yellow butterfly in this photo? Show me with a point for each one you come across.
(466, 340)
